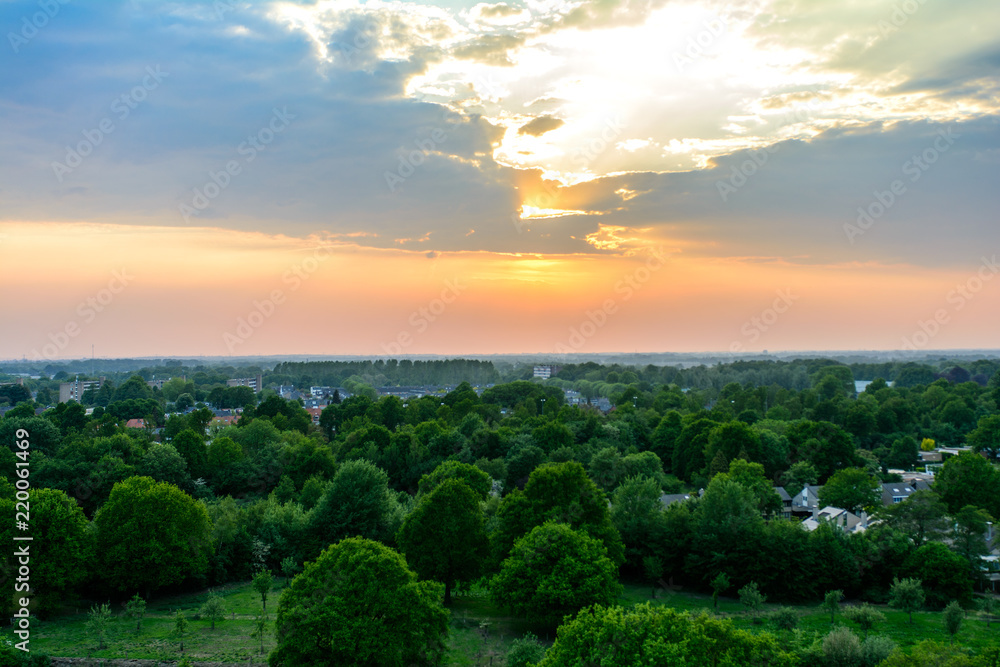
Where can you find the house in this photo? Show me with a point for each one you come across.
(806, 501)
(670, 498)
(786, 502)
(846, 521)
(135, 423)
(897, 492)
(315, 414)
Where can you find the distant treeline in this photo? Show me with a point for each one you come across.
(385, 372)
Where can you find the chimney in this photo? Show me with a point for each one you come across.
(864, 519)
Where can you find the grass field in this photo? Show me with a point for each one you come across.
(481, 633)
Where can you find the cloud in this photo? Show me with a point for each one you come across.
(539, 126)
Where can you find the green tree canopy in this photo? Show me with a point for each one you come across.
(969, 479)
(476, 479)
(553, 571)
(444, 538)
(654, 635)
(851, 489)
(359, 604)
(356, 503)
(62, 540)
(150, 535)
(563, 493)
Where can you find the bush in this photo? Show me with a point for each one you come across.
(525, 651)
(875, 649)
(785, 618)
(841, 648)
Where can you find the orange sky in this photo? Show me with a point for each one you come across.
(134, 291)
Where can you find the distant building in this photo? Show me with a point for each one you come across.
(158, 384)
(72, 391)
(545, 372)
(897, 492)
(135, 423)
(255, 383)
(841, 518)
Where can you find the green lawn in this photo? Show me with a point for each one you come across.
(480, 630)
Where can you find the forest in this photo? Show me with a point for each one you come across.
(385, 511)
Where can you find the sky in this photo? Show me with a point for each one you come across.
(537, 176)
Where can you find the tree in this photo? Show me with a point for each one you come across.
(953, 615)
(191, 447)
(968, 538)
(653, 635)
(356, 503)
(525, 651)
(875, 649)
(262, 582)
(865, 615)
(553, 571)
(719, 585)
(135, 609)
(842, 648)
(637, 513)
(444, 538)
(60, 531)
(359, 604)
(559, 492)
(944, 573)
(752, 600)
(851, 489)
(785, 618)
(906, 595)
(476, 479)
(831, 602)
(969, 479)
(151, 534)
(214, 609)
(259, 630)
(134, 388)
(221, 452)
(987, 606)
(180, 627)
(921, 516)
(751, 477)
(289, 568)
(98, 620)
